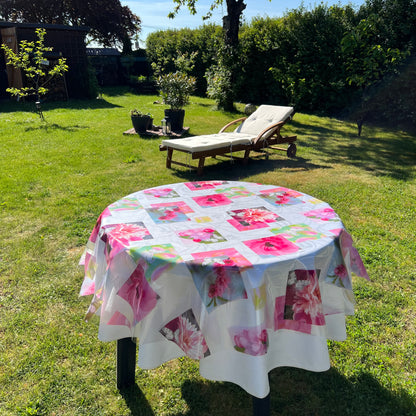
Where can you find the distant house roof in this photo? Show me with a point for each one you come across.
(44, 26)
(102, 52)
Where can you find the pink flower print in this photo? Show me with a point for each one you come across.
(307, 305)
(202, 235)
(185, 332)
(212, 200)
(190, 339)
(254, 215)
(161, 192)
(341, 271)
(271, 246)
(282, 199)
(96, 230)
(138, 293)
(221, 283)
(126, 233)
(323, 214)
(251, 341)
(350, 252)
(196, 186)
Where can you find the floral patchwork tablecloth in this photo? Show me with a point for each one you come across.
(243, 277)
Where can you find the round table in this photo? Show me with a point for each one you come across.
(243, 277)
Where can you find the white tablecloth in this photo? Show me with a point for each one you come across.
(243, 277)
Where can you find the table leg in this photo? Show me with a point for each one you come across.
(261, 407)
(126, 362)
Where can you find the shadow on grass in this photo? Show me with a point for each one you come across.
(226, 169)
(51, 127)
(294, 392)
(392, 155)
(136, 401)
(10, 106)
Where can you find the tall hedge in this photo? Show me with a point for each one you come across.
(301, 58)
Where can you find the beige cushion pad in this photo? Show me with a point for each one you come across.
(208, 142)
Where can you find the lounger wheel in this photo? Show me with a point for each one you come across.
(291, 150)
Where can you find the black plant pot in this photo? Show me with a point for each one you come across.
(140, 123)
(176, 118)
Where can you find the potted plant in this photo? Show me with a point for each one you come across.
(141, 121)
(175, 89)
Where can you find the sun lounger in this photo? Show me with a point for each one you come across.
(259, 132)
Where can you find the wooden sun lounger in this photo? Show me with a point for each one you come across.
(258, 132)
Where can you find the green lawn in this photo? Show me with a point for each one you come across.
(57, 177)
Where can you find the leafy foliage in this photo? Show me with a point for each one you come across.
(176, 87)
(31, 60)
(110, 23)
(220, 77)
(325, 60)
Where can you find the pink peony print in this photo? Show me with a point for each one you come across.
(251, 341)
(212, 200)
(307, 305)
(202, 235)
(126, 233)
(350, 252)
(283, 199)
(185, 332)
(323, 214)
(221, 283)
(161, 192)
(138, 293)
(197, 186)
(272, 246)
(341, 271)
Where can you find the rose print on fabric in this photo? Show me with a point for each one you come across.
(185, 332)
(252, 218)
(127, 233)
(138, 293)
(271, 246)
(155, 259)
(301, 307)
(339, 277)
(281, 196)
(202, 235)
(235, 192)
(97, 227)
(168, 213)
(120, 236)
(162, 192)
(198, 186)
(125, 204)
(209, 201)
(350, 255)
(323, 214)
(297, 233)
(252, 340)
(96, 302)
(217, 277)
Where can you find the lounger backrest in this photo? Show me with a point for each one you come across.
(264, 116)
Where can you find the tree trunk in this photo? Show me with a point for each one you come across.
(231, 26)
(231, 22)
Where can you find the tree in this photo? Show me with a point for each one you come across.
(367, 61)
(31, 60)
(231, 22)
(231, 26)
(111, 23)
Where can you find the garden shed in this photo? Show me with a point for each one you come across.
(106, 62)
(66, 41)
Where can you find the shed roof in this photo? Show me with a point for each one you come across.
(44, 26)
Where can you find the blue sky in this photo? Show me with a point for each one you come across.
(154, 13)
